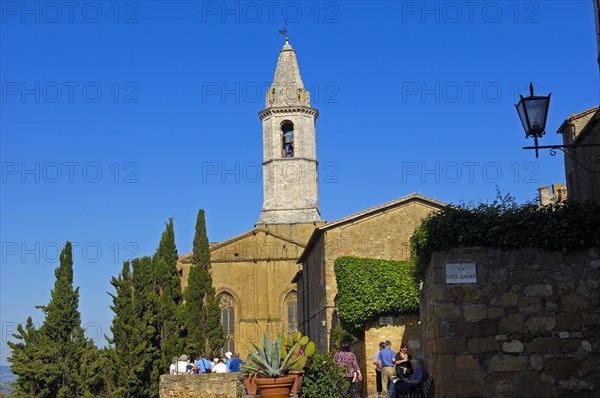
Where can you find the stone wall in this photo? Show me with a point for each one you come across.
(529, 326)
(221, 385)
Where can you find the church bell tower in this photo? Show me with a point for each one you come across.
(289, 148)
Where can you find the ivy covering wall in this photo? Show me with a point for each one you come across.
(369, 288)
(507, 225)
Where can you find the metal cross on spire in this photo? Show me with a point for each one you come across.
(284, 31)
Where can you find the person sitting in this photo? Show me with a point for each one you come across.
(234, 365)
(412, 382)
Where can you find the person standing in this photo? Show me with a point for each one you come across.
(234, 365)
(377, 364)
(204, 365)
(173, 367)
(220, 367)
(402, 361)
(386, 357)
(344, 358)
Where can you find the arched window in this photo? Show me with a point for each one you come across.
(227, 305)
(287, 139)
(291, 303)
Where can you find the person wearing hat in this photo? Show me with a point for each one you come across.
(173, 367)
(228, 360)
(377, 364)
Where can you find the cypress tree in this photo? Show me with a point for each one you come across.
(168, 296)
(202, 313)
(57, 360)
(131, 352)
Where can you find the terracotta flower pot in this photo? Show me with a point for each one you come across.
(279, 387)
(250, 384)
(299, 375)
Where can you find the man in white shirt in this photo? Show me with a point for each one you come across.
(220, 367)
(182, 365)
(377, 364)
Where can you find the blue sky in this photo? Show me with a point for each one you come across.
(116, 116)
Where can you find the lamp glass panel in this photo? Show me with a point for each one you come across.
(521, 111)
(536, 110)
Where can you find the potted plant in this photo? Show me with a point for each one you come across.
(272, 364)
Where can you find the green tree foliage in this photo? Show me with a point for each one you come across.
(134, 352)
(167, 286)
(368, 288)
(323, 378)
(202, 313)
(57, 360)
(148, 327)
(507, 225)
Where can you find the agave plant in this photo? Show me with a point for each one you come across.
(274, 359)
(267, 360)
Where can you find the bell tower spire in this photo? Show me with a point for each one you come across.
(289, 147)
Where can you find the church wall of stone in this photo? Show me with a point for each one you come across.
(529, 326)
(384, 235)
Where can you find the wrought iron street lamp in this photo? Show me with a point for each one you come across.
(533, 112)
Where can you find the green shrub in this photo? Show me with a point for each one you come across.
(368, 288)
(323, 378)
(507, 225)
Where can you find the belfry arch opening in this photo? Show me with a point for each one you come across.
(287, 139)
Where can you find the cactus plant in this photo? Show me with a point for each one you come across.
(300, 348)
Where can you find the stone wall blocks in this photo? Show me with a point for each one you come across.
(513, 347)
(447, 311)
(474, 313)
(529, 305)
(545, 345)
(575, 303)
(486, 327)
(569, 321)
(484, 344)
(456, 293)
(495, 312)
(505, 300)
(591, 321)
(507, 363)
(539, 290)
(511, 323)
(451, 345)
(574, 384)
(539, 324)
(466, 363)
(536, 362)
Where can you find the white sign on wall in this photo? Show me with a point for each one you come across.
(461, 273)
(386, 320)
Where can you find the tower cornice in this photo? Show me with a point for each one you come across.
(288, 110)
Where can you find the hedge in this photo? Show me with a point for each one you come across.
(369, 288)
(507, 225)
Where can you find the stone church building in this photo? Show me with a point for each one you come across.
(258, 276)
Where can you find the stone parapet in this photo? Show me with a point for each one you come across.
(217, 385)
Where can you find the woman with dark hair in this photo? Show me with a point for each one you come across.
(402, 362)
(346, 360)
